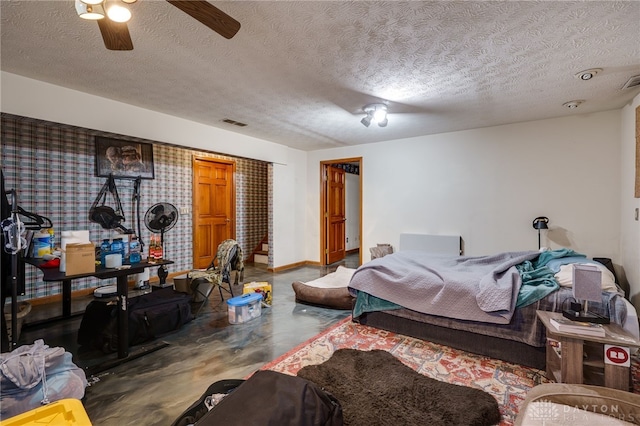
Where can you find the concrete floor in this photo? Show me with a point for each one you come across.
(154, 389)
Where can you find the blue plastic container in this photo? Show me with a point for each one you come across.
(244, 308)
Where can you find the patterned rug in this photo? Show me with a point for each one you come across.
(508, 383)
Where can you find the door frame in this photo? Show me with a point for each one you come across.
(323, 204)
(232, 198)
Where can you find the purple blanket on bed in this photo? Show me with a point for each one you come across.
(475, 288)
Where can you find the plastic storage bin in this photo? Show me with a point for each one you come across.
(244, 308)
(60, 413)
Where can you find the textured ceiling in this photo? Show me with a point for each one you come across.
(299, 72)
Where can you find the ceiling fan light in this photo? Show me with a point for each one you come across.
(383, 123)
(90, 12)
(92, 2)
(129, 1)
(117, 12)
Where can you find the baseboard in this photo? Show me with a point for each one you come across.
(293, 265)
(303, 263)
(58, 297)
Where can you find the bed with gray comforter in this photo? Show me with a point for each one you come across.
(482, 304)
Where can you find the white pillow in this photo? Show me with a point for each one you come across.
(565, 276)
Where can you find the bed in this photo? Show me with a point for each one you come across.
(483, 304)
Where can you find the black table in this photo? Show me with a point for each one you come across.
(121, 275)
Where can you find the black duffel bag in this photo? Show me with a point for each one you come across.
(149, 315)
(266, 398)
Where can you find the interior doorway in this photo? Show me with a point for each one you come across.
(214, 207)
(340, 209)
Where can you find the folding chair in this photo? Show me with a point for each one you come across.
(229, 259)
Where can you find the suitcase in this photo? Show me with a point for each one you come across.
(150, 315)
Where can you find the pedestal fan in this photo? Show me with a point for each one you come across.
(160, 218)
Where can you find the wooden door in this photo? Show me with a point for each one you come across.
(213, 207)
(335, 214)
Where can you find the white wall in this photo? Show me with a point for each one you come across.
(488, 184)
(352, 211)
(33, 98)
(289, 209)
(629, 226)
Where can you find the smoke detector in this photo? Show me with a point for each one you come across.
(588, 74)
(572, 104)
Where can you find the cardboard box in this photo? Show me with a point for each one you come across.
(262, 287)
(81, 258)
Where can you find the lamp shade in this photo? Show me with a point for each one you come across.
(540, 222)
(89, 11)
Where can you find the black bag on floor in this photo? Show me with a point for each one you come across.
(272, 398)
(201, 407)
(150, 316)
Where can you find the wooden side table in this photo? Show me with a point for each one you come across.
(593, 360)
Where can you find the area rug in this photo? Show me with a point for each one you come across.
(374, 387)
(508, 383)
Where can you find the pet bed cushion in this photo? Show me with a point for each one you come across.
(330, 291)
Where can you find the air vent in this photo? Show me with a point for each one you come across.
(234, 122)
(632, 82)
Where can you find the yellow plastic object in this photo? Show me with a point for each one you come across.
(60, 413)
(262, 287)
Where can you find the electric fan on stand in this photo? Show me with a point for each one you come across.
(160, 218)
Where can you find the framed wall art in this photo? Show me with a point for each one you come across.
(123, 159)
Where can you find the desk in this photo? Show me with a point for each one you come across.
(121, 275)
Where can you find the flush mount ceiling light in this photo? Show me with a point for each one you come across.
(572, 104)
(588, 74)
(377, 113)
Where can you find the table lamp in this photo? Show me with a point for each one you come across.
(539, 223)
(587, 287)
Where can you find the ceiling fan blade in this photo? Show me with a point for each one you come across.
(115, 35)
(209, 15)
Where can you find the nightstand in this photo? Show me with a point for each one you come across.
(576, 358)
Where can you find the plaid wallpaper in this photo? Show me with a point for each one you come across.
(52, 167)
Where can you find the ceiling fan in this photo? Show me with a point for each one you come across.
(116, 34)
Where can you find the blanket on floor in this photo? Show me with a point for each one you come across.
(375, 388)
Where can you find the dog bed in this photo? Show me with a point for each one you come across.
(330, 291)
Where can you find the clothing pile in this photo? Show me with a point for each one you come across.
(229, 258)
(35, 375)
